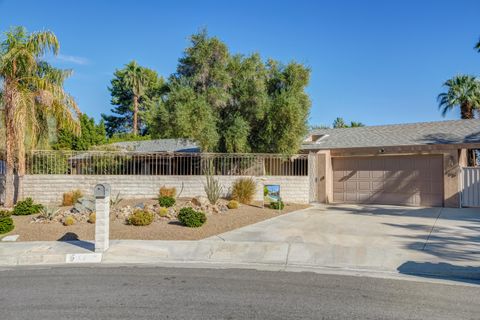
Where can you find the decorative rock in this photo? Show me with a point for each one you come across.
(85, 203)
(201, 201)
(140, 205)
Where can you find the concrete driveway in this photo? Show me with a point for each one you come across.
(409, 240)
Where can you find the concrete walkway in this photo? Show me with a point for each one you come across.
(384, 239)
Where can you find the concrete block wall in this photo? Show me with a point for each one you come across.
(49, 189)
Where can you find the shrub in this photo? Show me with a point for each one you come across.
(5, 213)
(140, 218)
(92, 218)
(6, 224)
(115, 201)
(163, 212)
(277, 205)
(168, 192)
(49, 213)
(26, 207)
(68, 221)
(71, 197)
(243, 190)
(213, 189)
(191, 218)
(232, 204)
(166, 202)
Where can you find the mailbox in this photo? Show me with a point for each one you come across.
(101, 191)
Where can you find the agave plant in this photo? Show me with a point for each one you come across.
(115, 201)
(49, 213)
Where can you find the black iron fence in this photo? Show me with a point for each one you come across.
(164, 163)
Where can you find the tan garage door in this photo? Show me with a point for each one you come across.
(400, 180)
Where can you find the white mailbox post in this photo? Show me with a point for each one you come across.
(102, 212)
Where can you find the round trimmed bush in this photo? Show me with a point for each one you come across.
(140, 218)
(166, 201)
(6, 224)
(277, 205)
(26, 207)
(191, 218)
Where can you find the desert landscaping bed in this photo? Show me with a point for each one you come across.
(165, 228)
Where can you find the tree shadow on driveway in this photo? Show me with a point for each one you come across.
(441, 270)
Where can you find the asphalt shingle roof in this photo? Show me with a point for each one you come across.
(159, 145)
(421, 133)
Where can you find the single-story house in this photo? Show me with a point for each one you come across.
(158, 145)
(415, 164)
(137, 157)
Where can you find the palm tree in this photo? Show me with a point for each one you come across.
(477, 46)
(339, 123)
(31, 94)
(462, 91)
(135, 79)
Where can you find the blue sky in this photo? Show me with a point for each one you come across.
(378, 62)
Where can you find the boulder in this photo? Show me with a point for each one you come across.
(200, 201)
(85, 204)
(140, 205)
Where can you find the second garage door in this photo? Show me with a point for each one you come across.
(398, 180)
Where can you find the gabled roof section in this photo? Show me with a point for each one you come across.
(159, 145)
(421, 133)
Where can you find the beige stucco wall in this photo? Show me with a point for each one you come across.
(451, 170)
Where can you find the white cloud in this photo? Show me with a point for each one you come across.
(72, 59)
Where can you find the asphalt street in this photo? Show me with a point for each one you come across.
(178, 293)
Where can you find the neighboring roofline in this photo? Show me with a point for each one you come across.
(313, 131)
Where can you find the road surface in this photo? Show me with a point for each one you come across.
(177, 293)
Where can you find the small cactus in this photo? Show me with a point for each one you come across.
(68, 221)
(92, 218)
(233, 204)
(163, 212)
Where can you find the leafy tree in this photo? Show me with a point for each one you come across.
(233, 103)
(134, 90)
(186, 114)
(462, 91)
(31, 93)
(91, 135)
(285, 121)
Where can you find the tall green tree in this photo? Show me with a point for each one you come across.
(285, 121)
(134, 91)
(233, 103)
(91, 135)
(461, 91)
(31, 94)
